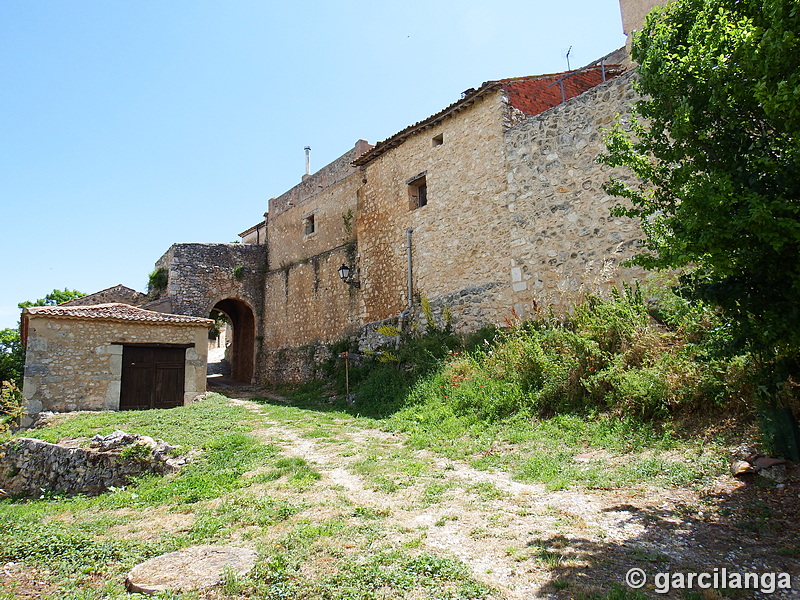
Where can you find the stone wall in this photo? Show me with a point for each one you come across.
(76, 364)
(454, 238)
(200, 275)
(118, 293)
(562, 240)
(327, 176)
(29, 466)
(306, 304)
(516, 217)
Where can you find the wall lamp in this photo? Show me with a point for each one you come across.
(344, 273)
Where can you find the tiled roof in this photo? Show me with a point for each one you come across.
(531, 95)
(114, 312)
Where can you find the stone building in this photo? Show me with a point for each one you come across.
(110, 357)
(116, 294)
(492, 208)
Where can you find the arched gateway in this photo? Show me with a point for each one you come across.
(242, 349)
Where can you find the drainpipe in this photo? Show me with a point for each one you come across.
(407, 312)
(410, 269)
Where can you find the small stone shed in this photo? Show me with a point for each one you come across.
(111, 357)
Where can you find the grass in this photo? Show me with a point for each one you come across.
(241, 490)
(577, 407)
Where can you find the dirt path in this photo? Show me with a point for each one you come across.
(524, 540)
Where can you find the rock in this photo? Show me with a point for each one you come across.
(194, 568)
(765, 462)
(745, 452)
(741, 467)
(113, 440)
(776, 473)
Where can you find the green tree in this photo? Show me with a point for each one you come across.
(53, 298)
(12, 356)
(715, 144)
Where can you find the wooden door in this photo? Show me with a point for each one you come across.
(152, 377)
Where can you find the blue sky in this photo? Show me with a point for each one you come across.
(128, 126)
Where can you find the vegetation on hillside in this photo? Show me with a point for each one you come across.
(643, 361)
(715, 147)
(12, 358)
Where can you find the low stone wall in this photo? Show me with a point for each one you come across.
(295, 365)
(29, 466)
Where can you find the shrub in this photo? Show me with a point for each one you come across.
(10, 405)
(157, 281)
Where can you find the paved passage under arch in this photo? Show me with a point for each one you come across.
(242, 355)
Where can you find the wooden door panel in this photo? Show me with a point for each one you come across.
(152, 377)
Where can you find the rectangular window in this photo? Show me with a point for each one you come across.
(438, 140)
(417, 191)
(308, 224)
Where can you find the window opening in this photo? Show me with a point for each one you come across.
(308, 225)
(417, 191)
(438, 140)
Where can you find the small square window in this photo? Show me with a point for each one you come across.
(438, 140)
(417, 192)
(308, 224)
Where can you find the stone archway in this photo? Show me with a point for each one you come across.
(242, 350)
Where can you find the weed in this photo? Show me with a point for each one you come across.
(137, 452)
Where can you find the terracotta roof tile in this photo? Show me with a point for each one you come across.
(114, 312)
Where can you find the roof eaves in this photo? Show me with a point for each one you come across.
(115, 312)
(401, 136)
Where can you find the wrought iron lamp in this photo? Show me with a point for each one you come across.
(344, 273)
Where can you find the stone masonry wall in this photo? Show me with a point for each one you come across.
(28, 465)
(454, 238)
(74, 364)
(306, 304)
(563, 241)
(118, 293)
(200, 275)
(500, 237)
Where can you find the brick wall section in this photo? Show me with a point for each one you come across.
(533, 96)
(75, 364)
(562, 238)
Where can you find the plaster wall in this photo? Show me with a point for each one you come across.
(634, 13)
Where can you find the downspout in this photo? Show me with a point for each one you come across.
(407, 312)
(410, 269)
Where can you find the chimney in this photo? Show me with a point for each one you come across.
(308, 162)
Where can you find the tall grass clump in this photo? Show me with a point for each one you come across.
(611, 355)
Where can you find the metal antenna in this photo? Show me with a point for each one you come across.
(568, 51)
